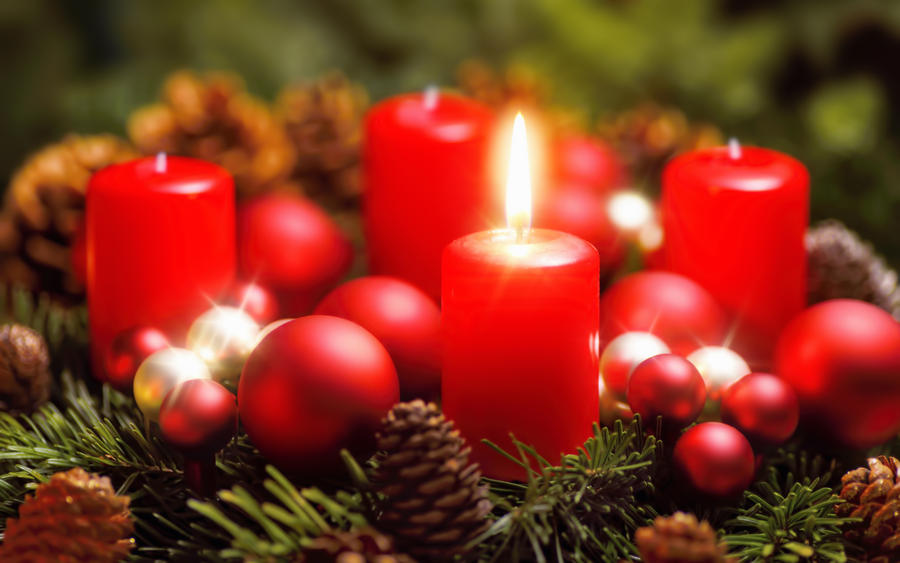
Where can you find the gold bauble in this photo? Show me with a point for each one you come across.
(161, 372)
(223, 337)
(719, 366)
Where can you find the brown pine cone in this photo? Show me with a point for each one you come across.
(74, 517)
(364, 545)
(43, 211)
(841, 265)
(680, 538)
(873, 494)
(213, 118)
(434, 504)
(24, 369)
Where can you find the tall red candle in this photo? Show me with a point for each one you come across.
(426, 181)
(160, 244)
(734, 221)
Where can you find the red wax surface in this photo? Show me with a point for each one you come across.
(736, 226)
(427, 182)
(159, 246)
(520, 329)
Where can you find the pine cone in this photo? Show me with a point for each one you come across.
(75, 517)
(842, 265)
(24, 369)
(323, 120)
(364, 545)
(43, 211)
(213, 118)
(434, 503)
(873, 494)
(680, 538)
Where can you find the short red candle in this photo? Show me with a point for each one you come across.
(521, 335)
(160, 245)
(734, 221)
(426, 181)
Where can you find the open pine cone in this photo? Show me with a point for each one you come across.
(434, 504)
(24, 369)
(680, 538)
(873, 494)
(75, 517)
(363, 545)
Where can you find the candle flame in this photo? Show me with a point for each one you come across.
(518, 181)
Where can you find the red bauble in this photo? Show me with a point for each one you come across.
(315, 385)
(126, 352)
(716, 459)
(404, 319)
(198, 416)
(669, 386)
(255, 300)
(842, 357)
(763, 407)
(670, 306)
(290, 245)
(587, 162)
(623, 354)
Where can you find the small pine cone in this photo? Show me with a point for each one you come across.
(43, 211)
(434, 504)
(873, 494)
(363, 545)
(841, 265)
(680, 538)
(24, 369)
(75, 517)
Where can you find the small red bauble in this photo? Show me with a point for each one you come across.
(762, 406)
(255, 300)
(716, 459)
(292, 246)
(313, 386)
(126, 352)
(588, 163)
(404, 319)
(198, 417)
(623, 354)
(842, 357)
(669, 386)
(676, 309)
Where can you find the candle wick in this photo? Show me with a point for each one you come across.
(431, 97)
(161, 162)
(734, 148)
(520, 234)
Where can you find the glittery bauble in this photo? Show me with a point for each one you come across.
(762, 406)
(255, 300)
(223, 337)
(719, 366)
(668, 386)
(126, 352)
(716, 459)
(162, 371)
(842, 357)
(198, 417)
(676, 309)
(623, 354)
(313, 386)
(404, 319)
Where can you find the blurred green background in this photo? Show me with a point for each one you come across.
(815, 78)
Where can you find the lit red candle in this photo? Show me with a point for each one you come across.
(426, 181)
(160, 244)
(520, 327)
(734, 220)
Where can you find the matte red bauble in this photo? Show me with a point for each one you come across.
(716, 459)
(762, 406)
(842, 357)
(198, 417)
(668, 386)
(588, 163)
(255, 300)
(126, 352)
(676, 309)
(290, 245)
(404, 319)
(312, 386)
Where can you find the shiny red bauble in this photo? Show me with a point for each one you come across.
(676, 309)
(668, 386)
(587, 162)
(289, 244)
(716, 459)
(126, 352)
(254, 299)
(404, 319)
(198, 417)
(762, 406)
(842, 357)
(313, 386)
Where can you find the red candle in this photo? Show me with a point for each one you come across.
(425, 173)
(521, 333)
(734, 221)
(160, 244)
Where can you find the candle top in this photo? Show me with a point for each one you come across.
(542, 248)
(173, 174)
(749, 169)
(440, 115)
